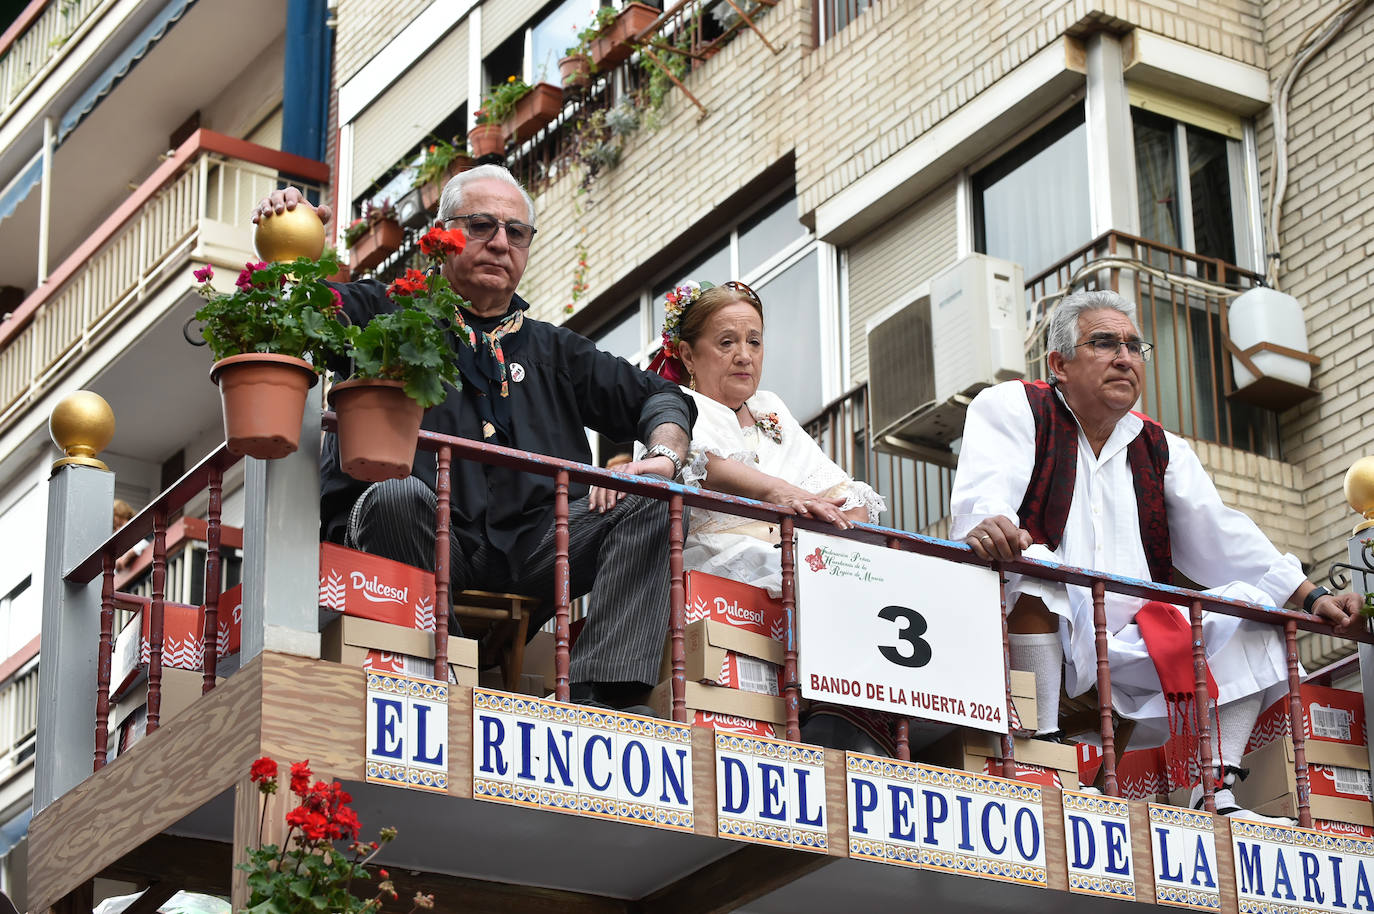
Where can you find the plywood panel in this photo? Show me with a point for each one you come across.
(704, 781)
(460, 741)
(313, 709)
(836, 804)
(1142, 857)
(1056, 854)
(164, 777)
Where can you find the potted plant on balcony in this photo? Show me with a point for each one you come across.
(401, 361)
(575, 69)
(612, 43)
(373, 236)
(521, 108)
(486, 138)
(270, 338)
(442, 161)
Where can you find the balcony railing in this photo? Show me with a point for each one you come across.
(19, 719)
(209, 474)
(200, 198)
(33, 43)
(1181, 300)
(917, 491)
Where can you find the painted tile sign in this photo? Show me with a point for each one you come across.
(1184, 851)
(407, 732)
(1097, 830)
(1292, 870)
(581, 761)
(954, 821)
(770, 792)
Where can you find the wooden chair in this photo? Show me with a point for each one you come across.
(502, 622)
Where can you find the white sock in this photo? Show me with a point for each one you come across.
(1237, 720)
(1043, 655)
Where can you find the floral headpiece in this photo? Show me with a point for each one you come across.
(676, 302)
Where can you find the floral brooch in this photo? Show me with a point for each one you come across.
(769, 425)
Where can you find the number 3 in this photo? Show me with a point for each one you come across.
(911, 633)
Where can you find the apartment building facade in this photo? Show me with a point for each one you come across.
(838, 157)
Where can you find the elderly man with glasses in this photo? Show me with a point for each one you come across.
(531, 385)
(1066, 471)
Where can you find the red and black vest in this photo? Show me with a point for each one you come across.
(1045, 509)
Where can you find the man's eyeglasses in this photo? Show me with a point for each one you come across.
(736, 286)
(483, 226)
(1108, 347)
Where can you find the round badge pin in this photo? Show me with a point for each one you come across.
(517, 372)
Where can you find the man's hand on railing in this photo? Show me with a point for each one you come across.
(1342, 610)
(279, 201)
(601, 499)
(997, 537)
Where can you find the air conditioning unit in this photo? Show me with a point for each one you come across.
(928, 359)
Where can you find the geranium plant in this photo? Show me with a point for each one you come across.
(594, 30)
(280, 308)
(307, 873)
(411, 343)
(439, 155)
(373, 212)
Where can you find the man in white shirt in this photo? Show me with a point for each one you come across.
(1068, 473)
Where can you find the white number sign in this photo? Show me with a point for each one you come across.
(899, 632)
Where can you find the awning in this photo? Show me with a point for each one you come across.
(122, 64)
(13, 831)
(19, 188)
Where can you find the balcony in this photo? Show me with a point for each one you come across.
(32, 45)
(1181, 300)
(135, 268)
(176, 808)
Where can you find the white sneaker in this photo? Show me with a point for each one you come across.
(1226, 805)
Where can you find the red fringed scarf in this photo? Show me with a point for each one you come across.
(1169, 639)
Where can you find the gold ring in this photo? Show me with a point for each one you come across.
(985, 537)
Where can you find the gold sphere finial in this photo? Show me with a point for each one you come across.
(1359, 491)
(284, 237)
(82, 425)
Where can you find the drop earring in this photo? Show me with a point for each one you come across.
(692, 382)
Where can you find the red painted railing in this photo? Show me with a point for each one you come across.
(209, 474)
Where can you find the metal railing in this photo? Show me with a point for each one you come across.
(917, 491)
(31, 53)
(19, 718)
(200, 196)
(209, 474)
(1181, 301)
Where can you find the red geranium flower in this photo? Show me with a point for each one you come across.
(300, 778)
(245, 280)
(410, 284)
(204, 274)
(264, 769)
(439, 241)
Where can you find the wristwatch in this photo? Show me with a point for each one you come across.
(1313, 596)
(662, 450)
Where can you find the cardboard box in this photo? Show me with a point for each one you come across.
(530, 683)
(716, 699)
(1328, 715)
(727, 655)
(740, 725)
(183, 641)
(1023, 700)
(971, 750)
(128, 721)
(1349, 829)
(369, 587)
(374, 645)
(1338, 775)
(746, 608)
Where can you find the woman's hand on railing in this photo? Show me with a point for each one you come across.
(601, 499)
(279, 201)
(997, 537)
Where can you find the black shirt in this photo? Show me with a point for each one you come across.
(567, 384)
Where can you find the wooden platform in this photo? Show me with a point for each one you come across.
(165, 812)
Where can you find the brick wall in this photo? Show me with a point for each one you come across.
(1327, 243)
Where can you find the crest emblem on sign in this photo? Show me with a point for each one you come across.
(815, 560)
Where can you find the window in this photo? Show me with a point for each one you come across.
(552, 35)
(1184, 186)
(1031, 206)
(774, 253)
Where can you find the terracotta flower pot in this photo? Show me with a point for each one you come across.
(611, 49)
(433, 190)
(575, 70)
(537, 108)
(264, 401)
(486, 139)
(381, 240)
(378, 426)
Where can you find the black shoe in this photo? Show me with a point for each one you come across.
(611, 696)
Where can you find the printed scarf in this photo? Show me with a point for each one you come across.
(483, 365)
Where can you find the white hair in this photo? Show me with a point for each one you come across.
(1062, 337)
(451, 203)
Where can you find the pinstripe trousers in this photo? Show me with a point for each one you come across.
(620, 557)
